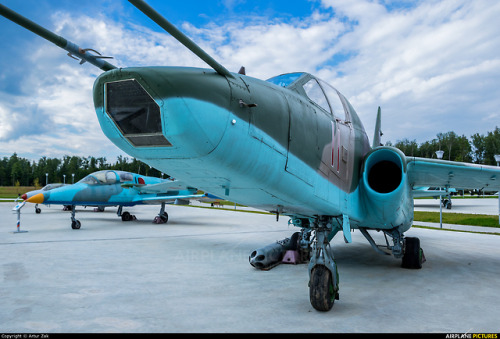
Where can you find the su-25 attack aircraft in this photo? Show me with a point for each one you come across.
(117, 188)
(292, 145)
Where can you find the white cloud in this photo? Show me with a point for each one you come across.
(417, 62)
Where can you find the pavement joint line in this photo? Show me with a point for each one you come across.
(137, 238)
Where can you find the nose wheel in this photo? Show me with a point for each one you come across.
(75, 224)
(323, 273)
(322, 293)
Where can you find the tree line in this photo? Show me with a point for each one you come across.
(479, 149)
(17, 171)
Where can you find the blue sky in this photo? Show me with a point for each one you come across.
(432, 65)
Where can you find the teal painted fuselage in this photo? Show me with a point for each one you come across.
(281, 147)
(109, 188)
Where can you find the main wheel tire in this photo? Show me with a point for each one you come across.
(322, 293)
(413, 256)
(126, 216)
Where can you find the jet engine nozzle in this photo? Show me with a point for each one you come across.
(269, 255)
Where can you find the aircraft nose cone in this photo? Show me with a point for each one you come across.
(36, 199)
(24, 196)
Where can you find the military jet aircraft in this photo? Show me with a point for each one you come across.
(117, 188)
(293, 145)
(435, 192)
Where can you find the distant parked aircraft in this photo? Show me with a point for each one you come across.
(116, 188)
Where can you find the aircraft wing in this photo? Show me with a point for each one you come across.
(166, 198)
(442, 173)
(165, 186)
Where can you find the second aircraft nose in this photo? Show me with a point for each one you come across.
(36, 199)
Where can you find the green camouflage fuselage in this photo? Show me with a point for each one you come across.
(247, 140)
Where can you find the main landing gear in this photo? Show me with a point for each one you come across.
(162, 217)
(126, 216)
(446, 203)
(406, 248)
(314, 241)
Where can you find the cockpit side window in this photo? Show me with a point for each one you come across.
(89, 180)
(334, 100)
(101, 177)
(315, 93)
(124, 176)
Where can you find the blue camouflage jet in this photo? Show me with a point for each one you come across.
(117, 188)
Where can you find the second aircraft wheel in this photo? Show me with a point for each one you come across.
(75, 224)
(126, 216)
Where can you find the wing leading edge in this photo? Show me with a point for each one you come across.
(442, 173)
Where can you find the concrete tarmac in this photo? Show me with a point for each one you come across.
(193, 275)
(460, 205)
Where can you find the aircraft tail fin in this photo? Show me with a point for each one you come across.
(378, 132)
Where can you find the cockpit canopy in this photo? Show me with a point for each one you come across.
(318, 91)
(107, 177)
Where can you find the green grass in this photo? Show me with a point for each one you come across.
(489, 196)
(12, 192)
(458, 219)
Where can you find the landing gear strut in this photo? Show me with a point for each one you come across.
(75, 224)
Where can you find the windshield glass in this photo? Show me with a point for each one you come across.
(107, 177)
(101, 177)
(285, 80)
